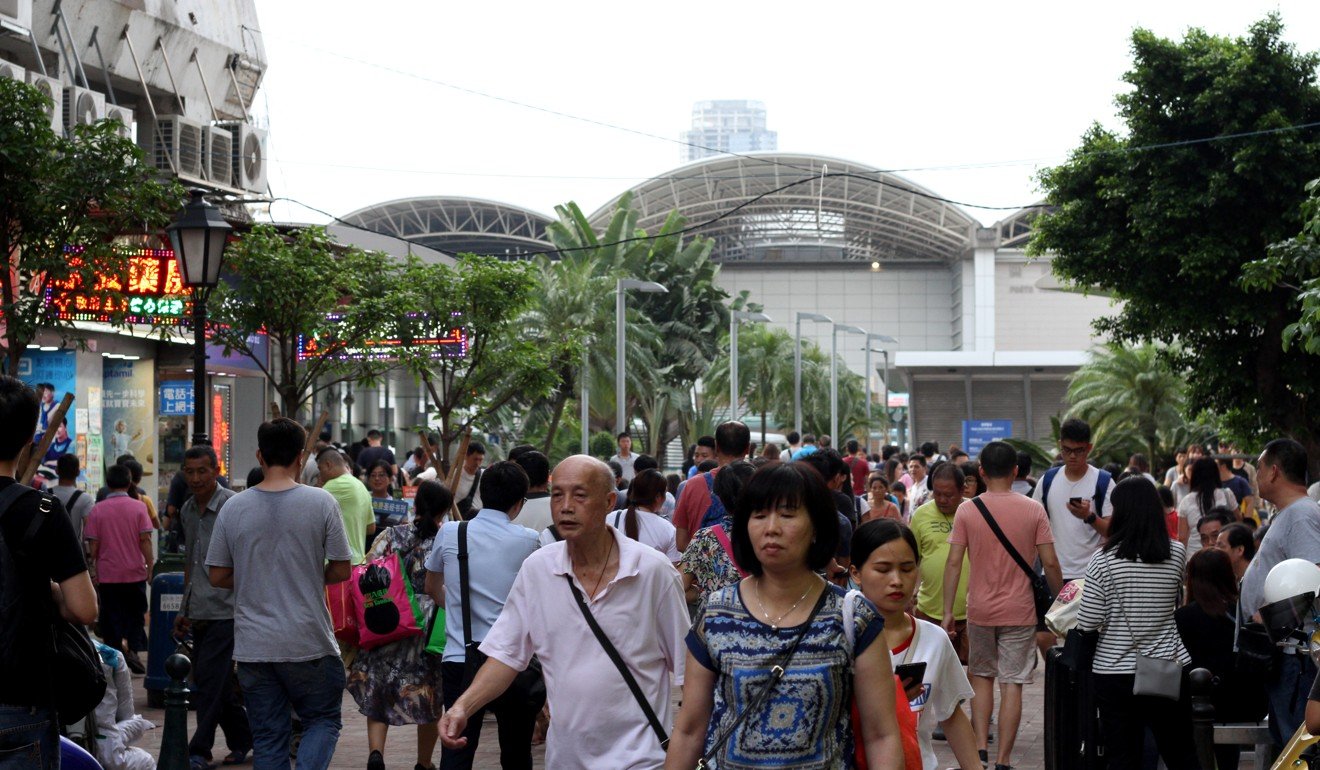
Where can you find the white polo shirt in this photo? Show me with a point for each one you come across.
(597, 722)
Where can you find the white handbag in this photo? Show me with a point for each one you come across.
(1062, 616)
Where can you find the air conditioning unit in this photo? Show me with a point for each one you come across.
(52, 89)
(17, 13)
(123, 116)
(219, 155)
(11, 71)
(174, 144)
(249, 156)
(82, 107)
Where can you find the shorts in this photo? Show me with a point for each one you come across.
(959, 637)
(1006, 653)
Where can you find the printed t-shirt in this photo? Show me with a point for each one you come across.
(943, 686)
(355, 511)
(277, 543)
(999, 593)
(117, 524)
(1074, 540)
(932, 529)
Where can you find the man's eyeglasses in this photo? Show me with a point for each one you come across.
(1073, 451)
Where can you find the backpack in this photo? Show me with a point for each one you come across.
(1101, 486)
(715, 513)
(11, 596)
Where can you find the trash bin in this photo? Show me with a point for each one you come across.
(166, 599)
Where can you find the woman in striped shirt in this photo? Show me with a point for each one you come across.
(1132, 587)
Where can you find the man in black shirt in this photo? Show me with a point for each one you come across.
(51, 577)
(374, 453)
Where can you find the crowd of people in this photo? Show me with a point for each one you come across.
(569, 601)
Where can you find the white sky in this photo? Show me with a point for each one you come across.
(358, 113)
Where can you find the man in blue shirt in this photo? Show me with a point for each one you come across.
(496, 548)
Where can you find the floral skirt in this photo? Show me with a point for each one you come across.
(397, 684)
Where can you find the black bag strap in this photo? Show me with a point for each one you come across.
(619, 663)
(1003, 540)
(73, 498)
(554, 532)
(463, 591)
(776, 673)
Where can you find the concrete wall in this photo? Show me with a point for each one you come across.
(1031, 318)
(913, 304)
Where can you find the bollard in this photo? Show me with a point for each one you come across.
(1203, 716)
(174, 738)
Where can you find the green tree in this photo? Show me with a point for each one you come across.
(286, 286)
(487, 298)
(1206, 175)
(1132, 389)
(55, 193)
(765, 372)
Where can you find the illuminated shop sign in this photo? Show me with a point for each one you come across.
(415, 333)
(152, 292)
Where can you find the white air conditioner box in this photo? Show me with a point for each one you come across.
(123, 116)
(82, 107)
(52, 89)
(249, 156)
(16, 13)
(174, 144)
(11, 71)
(219, 153)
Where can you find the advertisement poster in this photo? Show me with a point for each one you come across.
(127, 423)
(93, 468)
(53, 373)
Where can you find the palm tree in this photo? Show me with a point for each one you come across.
(1131, 389)
(765, 372)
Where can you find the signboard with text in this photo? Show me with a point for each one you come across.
(414, 332)
(977, 433)
(151, 291)
(176, 398)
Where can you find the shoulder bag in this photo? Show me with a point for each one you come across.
(1155, 676)
(776, 673)
(1040, 592)
(528, 688)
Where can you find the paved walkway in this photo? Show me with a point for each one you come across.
(401, 753)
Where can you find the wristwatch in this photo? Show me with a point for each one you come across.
(1090, 518)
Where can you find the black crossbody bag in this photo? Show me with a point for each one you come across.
(776, 673)
(528, 688)
(1040, 592)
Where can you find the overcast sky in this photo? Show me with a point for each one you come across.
(364, 100)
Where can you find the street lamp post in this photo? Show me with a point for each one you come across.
(734, 317)
(797, 363)
(199, 237)
(586, 402)
(649, 287)
(834, 376)
(886, 340)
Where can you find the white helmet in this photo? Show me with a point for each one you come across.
(1290, 578)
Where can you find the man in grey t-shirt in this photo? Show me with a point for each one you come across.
(277, 546)
(1294, 533)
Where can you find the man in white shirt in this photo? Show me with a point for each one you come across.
(919, 490)
(625, 457)
(631, 591)
(536, 508)
(467, 496)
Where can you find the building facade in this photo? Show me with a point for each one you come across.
(723, 126)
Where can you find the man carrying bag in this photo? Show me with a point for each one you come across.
(470, 573)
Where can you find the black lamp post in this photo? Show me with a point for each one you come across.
(199, 237)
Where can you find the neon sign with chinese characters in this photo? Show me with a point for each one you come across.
(152, 292)
(414, 334)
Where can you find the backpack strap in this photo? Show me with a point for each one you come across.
(73, 498)
(1045, 482)
(463, 592)
(723, 537)
(1101, 486)
(554, 532)
(630, 524)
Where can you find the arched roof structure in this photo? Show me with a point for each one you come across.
(1015, 229)
(838, 211)
(457, 225)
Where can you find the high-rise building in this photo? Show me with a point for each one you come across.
(727, 125)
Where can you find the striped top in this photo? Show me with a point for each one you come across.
(1132, 604)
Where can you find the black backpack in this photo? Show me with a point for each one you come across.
(78, 682)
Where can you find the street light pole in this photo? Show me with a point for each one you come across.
(797, 363)
(620, 340)
(734, 317)
(199, 237)
(586, 402)
(834, 376)
(885, 339)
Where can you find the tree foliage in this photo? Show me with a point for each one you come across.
(1133, 390)
(1206, 175)
(287, 286)
(58, 192)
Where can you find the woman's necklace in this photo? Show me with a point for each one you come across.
(775, 623)
(603, 568)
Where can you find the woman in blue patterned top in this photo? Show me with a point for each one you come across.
(770, 672)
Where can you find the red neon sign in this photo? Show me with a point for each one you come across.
(152, 291)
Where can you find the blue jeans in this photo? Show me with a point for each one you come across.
(1288, 691)
(315, 691)
(28, 738)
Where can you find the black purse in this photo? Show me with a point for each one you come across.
(1254, 653)
(1040, 592)
(528, 688)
